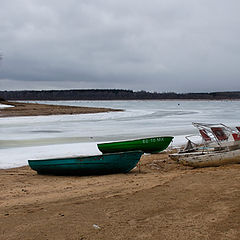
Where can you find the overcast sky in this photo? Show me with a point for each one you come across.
(153, 45)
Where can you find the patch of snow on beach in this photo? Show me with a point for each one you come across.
(5, 106)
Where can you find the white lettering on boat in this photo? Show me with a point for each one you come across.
(152, 140)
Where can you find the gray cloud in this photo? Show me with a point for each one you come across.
(167, 45)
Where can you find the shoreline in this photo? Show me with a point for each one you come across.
(164, 200)
(22, 109)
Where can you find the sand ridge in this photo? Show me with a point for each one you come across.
(35, 109)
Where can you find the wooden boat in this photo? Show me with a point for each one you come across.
(121, 162)
(147, 145)
(213, 159)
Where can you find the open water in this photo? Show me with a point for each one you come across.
(23, 138)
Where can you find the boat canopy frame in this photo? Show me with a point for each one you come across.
(217, 132)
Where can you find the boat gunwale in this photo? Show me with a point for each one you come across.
(85, 156)
(136, 139)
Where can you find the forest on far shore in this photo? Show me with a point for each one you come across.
(113, 94)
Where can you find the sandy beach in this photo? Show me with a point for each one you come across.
(162, 201)
(159, 199)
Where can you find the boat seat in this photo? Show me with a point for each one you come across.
(219, 133)
(236, 136)
(204, 135)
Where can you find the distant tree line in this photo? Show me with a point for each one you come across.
(112, 94)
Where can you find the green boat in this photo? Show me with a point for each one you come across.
(147, 145)
(121, 162)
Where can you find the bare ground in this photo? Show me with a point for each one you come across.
(35, 109)
(162, 201)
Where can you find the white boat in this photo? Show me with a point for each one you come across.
(220, 145)
(218, 136)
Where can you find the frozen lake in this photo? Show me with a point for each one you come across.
(23, 138)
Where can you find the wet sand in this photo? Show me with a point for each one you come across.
(162, 201)
(34, 109)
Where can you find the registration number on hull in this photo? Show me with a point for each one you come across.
(152, 140)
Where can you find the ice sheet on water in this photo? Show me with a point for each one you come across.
(19, 156)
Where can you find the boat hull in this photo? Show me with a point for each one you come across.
(147, 145)
(88, 165)
(178, 156)
(213, 159)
